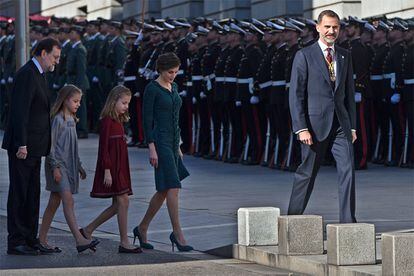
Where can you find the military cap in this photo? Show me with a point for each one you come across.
(93, 22)
(131, 34)
(410, 24)
(369, 27)
(180, 23)
(398, 25)
(116, 24)
(274, 28)
(201, 31)
(292, 27)
(297, 23)
(355, 21)
(168, 26)
(236, 29)
(36, 29)
(251, 28)
(79, 29)
(217, 27)
(190, 37)
(382, 26)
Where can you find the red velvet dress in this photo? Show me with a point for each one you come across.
(112, 155)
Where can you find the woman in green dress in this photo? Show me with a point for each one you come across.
(161, 109)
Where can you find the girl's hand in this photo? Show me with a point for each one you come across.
(153, 156)
(57, 175)
(180, 153)
(82, 173)
(108, 179)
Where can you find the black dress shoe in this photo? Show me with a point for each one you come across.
(22, 250)
(43, 249)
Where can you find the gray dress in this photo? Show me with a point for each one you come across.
(63, 154)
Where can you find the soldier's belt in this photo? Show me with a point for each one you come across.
(278, 83)
(409, 81)
(389, 76)
(211, 76)
(130, 78)
(245, 80)
(265, 84)
(197, 78)
(189, 83)
(377, 77)
(287, 84)
(220, 79)
(230, 79)
(180, 72)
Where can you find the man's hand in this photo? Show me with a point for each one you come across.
(21, 153)
(354, 136)
(305, 137)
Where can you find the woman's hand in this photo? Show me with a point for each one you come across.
(153, 156)
(180, 153)
(57, 175)
(82, 173)
(108, 179)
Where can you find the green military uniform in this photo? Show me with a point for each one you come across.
(115, 60)
(76, 71)
(104, 72)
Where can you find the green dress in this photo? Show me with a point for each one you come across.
(161, 110)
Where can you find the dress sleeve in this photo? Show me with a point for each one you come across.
(104, 143)
(148, 113)
(57, 124)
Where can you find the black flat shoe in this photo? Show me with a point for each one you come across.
(23, 250)
(135, 250)
(52, 249)
(92, 246)
(44, 249)
(183, 248)
(144, 245)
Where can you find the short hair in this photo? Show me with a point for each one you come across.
(167, 61)
(46, 44)
(329, 13)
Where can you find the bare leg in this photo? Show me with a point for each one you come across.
(48, 215)
(123, 203)
(155, 204)
(68, 211)
(103, 217)
(172, 205)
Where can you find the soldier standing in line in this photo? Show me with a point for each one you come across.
(232, 107)
(393, 84)
(381, 50)
(309, 34)
(9, 63)
(361, 62)
(61, 69)
(116, 55)
(408, 96)
(219, 70)
(35, 36)
(104, 77)
(279, 112)
(76, 70)
(3, 95)
(248, 68)
(292, 33)
(208, 65)
(95, 101)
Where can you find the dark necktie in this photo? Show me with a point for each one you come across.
(329, 60)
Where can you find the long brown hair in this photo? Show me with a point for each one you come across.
(66, 92)
(109, 108)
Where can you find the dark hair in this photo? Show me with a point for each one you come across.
(167, 61)
(46, 44)
(328, 13)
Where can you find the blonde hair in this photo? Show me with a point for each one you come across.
(66, 92)
(109, 108)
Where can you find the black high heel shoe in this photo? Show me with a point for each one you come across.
(92, 246)
(135, 250)
(142, 244)
(183, 248)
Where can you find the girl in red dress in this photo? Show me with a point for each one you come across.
(112, 177)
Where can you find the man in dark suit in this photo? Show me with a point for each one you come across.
(322, 107)
(27, 139)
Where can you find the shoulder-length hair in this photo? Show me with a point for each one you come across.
(65, 93)
(109, 108)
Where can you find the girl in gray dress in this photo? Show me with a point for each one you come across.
(63, 167)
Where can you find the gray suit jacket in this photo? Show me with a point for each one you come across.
(312, 99)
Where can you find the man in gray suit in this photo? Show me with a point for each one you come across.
(322, 106)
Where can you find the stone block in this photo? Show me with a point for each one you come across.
(397, 250)
(351, 243)
(300, 235)
(257, 226)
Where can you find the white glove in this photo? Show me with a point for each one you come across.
(254, 100)
(55, 86)
(139, 38)
(208, 84)
(202, 95)
(95, 79)
(392, 83)
(120, 73)
(358, 97)
(10, 80)
(395, 98)
(238, 103)
(183, 93)
(3, 81)
(194, 100)
(137, 94)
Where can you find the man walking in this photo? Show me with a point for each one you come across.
(322, 106)
(27, 139)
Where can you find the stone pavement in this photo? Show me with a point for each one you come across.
(212, 194)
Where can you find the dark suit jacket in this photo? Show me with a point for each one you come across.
(312, 99)
(29, 123)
